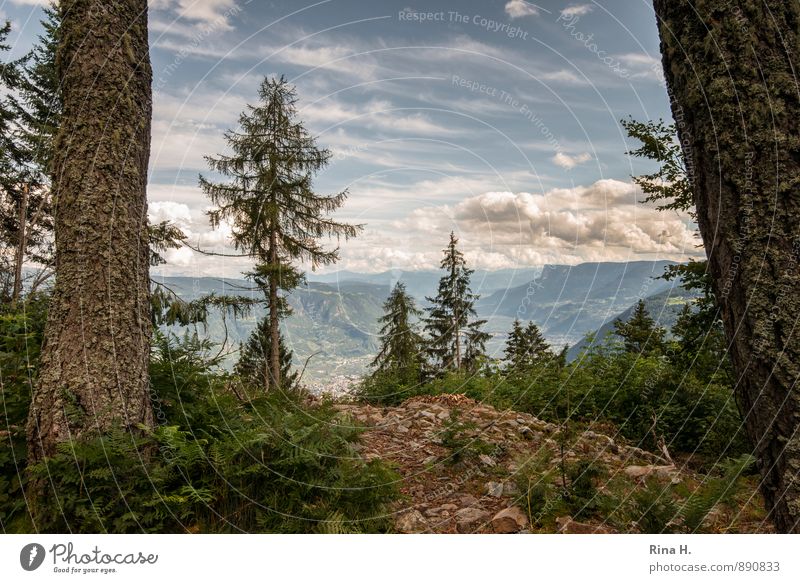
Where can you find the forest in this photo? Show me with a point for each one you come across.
(120, 416)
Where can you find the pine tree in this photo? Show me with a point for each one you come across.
(639, 334)
(455, 335)
(401, 344)
(526, 347)
(275, 215)
(253, 365)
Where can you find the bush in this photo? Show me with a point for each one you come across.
(21, 333)
(216, 463)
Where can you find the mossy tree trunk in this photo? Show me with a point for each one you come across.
(95, 355)
(731, 69)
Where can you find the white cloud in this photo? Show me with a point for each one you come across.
(215, 12)
(577, 10)
(568, 162)
(520, 8)
(643, 66)
(604, 221)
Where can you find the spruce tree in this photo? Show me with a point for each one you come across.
(94, 366)
(401, 344)
(275, 215)
(526, 347)
(37, 106)
(253, 365)
(639, 334)
(455, 335)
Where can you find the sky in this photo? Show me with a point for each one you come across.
(498, 120)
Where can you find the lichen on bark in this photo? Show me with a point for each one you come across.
(94, 372)
(731, 73)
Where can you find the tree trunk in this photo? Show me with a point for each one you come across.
(731, 69)
(22, 244)
(95, 356)
(274, 316)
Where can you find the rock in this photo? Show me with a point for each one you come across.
(565, 525)
(509, 521)
(510, 489)
(471, 519)
(638, 472)
(467, 500)
(443, 510)
(494, 489)
(487, 460)
(411, 522)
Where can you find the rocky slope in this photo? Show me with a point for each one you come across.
(462, 464)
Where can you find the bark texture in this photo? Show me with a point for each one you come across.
(94, 371)
(731, 69)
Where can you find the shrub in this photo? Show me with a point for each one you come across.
(216, 463)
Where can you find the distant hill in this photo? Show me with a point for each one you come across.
(663, 307)
(337, 324)
(567, 301)
(335, 316)
(423, 283)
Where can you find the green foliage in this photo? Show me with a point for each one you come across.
(639, 334)
(401, 344)
(214, 463)
(21, 333)
(661, 508)
(461, 439)
(456, 340)
(276, 216)
(390, 387)
(669, 185)
(526, 347)
(253, 364)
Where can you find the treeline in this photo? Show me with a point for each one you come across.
(667, 394)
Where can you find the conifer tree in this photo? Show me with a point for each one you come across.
(254, 359)
(526, 347)
(95, 359)
(275, 215)
(639, 334)
(27, 213)
(455, 332)
(401, 344)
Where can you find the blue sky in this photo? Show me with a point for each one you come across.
(496, 119)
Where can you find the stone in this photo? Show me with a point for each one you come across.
(510, 489)
(487, 460)
(510, 521)
(565, 525)
(444, 510)
(494, 489)
(411, 522)
(638, 472)
(471, 519)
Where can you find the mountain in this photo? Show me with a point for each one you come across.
(663, 307)
(335, 316)
(568, 301)
(334, 325)
(423, 283)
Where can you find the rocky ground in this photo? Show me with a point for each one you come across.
(462, 464)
